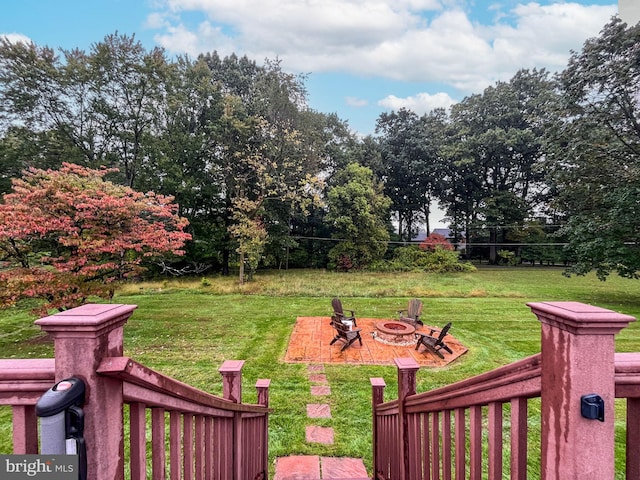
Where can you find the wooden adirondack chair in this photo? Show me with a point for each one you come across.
(345, 333)
(412, 314)
(434, 344)
(338, 312)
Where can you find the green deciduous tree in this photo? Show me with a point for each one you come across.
(410, 165)
(99, 108)
(358, 213)
(594, 152)
(494, 154)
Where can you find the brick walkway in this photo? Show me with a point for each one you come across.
(309, 343)
(313, 467)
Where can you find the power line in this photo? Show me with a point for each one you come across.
(459, 244)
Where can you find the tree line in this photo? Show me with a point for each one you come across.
(265, 180)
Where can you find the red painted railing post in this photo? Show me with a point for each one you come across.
(262, 388)
(82, 337)
(231, 371)
(577, 359)
(377, 394)
(407, 368)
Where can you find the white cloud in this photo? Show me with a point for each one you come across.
(544, 35)
(408, 40)
(16, 38)
(356, 102)
(420, 103)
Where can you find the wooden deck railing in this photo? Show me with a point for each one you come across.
(207, 436)
(479, 428)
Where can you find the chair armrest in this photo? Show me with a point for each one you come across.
(430, 334)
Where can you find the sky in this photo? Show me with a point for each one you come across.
(360, 57)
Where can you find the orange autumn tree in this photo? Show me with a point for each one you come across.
(69, 234)
(435, 240)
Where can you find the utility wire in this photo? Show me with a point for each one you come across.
(460, 244)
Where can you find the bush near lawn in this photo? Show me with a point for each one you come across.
(186, 328)
(417, 259)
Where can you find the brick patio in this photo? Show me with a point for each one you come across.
(311, 336)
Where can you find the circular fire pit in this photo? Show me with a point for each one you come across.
(394, 333)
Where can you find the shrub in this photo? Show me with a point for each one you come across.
(507, 257)
(434, 241)
(412, 258)
(442, 261)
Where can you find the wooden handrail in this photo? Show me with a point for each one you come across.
(27, 369)
(23, 381)
(134, 373)
(521, 379)
(577, 358)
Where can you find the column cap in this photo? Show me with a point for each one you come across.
(406, 363)
(231, 367)
(263, 383)
(580, 318)
(90, 318)
(377, 382)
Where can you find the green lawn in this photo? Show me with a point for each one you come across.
(187, 328)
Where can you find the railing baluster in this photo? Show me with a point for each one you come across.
(441, 432)
(460, 438)
(475, 439)
(519, 432)
(495, 440)
(175, 434)
(187, 446)
(158, 449)
(426, 447)
(384, 447)
(208, 447)
(199, 424)
(633, 438)
(25, 430)
(138, 441)
(227, 448)
(446, 445)
(218, 445)
(394, 457)
(413, 449)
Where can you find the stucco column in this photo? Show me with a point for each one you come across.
(577, 359)
(82, 337)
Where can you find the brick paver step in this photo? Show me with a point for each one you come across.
(301, 467)
(315, 434)
(319, 378)
(318, 410)
(319, 390)
(313, 467)
(339, 468)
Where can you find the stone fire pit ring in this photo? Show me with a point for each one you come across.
(392, 332)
